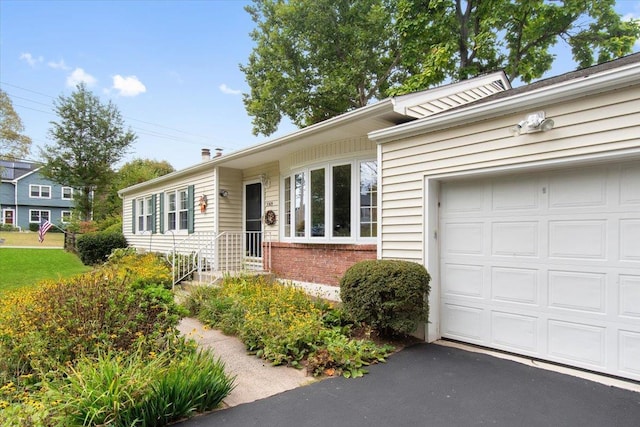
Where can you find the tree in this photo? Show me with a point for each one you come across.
(460, 39)
(315, 59)
(13, 144)
(134, 172)
(90, 137)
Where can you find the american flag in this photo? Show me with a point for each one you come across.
(45, 225)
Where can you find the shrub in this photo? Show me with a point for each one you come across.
(93, 248)
(388, 295)
(41, 328)
(8, 227)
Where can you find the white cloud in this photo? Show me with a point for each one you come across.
(31, 60)
(128, 86)
(80, 76)
(226, 89)
(60, 65)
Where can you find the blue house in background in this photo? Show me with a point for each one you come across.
(26, 197)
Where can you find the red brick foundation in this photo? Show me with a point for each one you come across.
(315, 262)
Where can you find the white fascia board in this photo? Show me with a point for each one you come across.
(562, 91)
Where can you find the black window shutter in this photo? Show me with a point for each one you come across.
(161, 212)
(154, 199)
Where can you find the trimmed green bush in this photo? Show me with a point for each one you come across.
(94, 248)
(388, 295)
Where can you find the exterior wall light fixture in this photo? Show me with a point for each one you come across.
(535, 122)
(224, 193)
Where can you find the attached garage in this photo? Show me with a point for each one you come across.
(532, 241)
(545, 264)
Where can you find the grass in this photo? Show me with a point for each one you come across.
(23, 267)
(30, 238)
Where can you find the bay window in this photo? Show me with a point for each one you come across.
(336, 202)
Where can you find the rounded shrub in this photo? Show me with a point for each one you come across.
(388, 295)
(94, 248)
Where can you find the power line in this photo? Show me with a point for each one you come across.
(142, 131)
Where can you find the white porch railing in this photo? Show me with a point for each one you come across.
(229, 251)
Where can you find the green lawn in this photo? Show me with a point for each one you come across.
(30, 238)
(22, 267)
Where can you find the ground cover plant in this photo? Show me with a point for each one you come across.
(102, 348)
(282, 324)
(22, 267)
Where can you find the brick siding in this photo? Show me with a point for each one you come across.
(314, 262)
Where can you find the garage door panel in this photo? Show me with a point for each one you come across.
(463, 322)
(515, 195)
(466, 238)
(514, 332)
(630, 296)
(630, 239)
(463, 198)
(629, 351)
(578, 239)
(577, 342)
(546, 265)
(575, 189)
(577, 291)
(464, 280)
(629, 188)
(517, 285)
(515, 238)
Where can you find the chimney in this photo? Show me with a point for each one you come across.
(218, 152)
(206, 154)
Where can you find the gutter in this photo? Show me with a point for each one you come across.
(563, 91)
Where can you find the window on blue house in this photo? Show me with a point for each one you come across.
(39, 191)
(36, 215)
(67, 193)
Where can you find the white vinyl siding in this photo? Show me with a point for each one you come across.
(582, 127)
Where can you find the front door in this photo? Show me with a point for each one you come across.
(253, 220)
(8, 215)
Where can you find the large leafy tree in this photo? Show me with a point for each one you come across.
(315, 59)
(89, 138)
(134, 172)
(13, 143)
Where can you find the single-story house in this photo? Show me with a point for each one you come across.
(26, 197)
(523, 204)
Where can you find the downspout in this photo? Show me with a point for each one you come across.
(15, 201)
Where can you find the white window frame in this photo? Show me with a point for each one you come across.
(62, 216)
(355, 207)
(39, 187)
(62, 193)
(144, 214)
(31, 212)
(179, 211)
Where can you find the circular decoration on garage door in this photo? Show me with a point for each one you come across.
(270, 217)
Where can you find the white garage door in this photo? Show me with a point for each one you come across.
(546, 265)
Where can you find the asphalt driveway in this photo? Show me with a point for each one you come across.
(433, 385)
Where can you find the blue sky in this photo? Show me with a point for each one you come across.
(171, 68)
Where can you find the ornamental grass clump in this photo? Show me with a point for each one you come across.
(140, 389)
